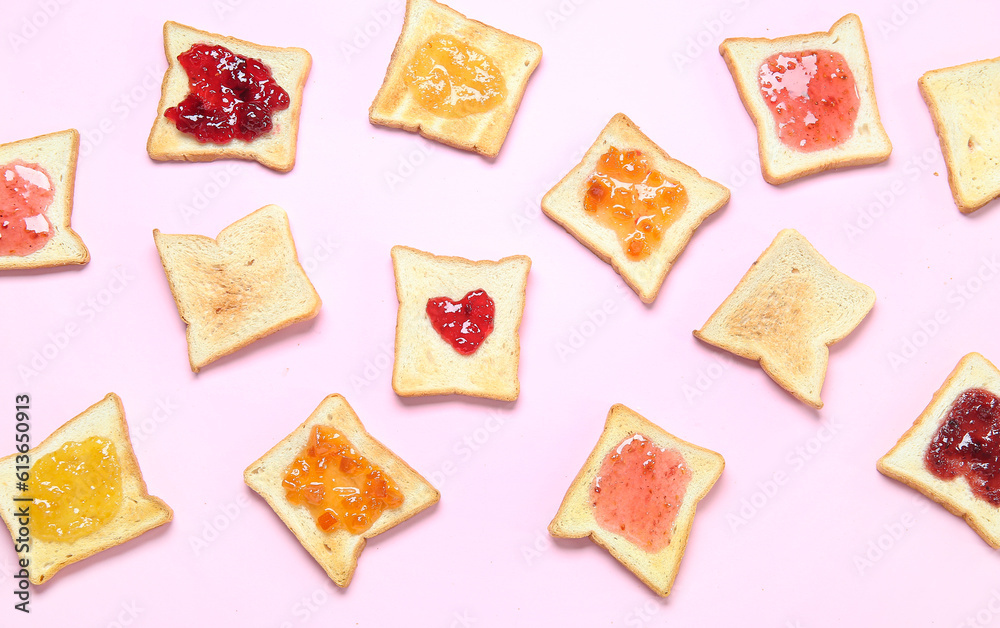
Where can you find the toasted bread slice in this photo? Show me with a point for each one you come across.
(138, 513)
(484, 133)
(564, 204)
(425, 364)
(779, 163)
(56, 153)
(238, 288)
(964, 101)
(577, 514)
(337, 551)
(789, 307)
(905, 461)
(275, 149)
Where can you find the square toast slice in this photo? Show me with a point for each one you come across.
(275, 149)
(577, 517)
(425, 363)
(337, 552)
(564, 204)
(139, 511)
(395, 105)
(239, 287)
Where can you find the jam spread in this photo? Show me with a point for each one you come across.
(639, 490)
(25, 193)
(342, 489)
(812, 96)
(76, 490)
(452, 79)
(968, 444)
(464, 324)
(231, 97)
(638, 202)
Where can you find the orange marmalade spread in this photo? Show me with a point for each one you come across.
(452, 79)
(76, 489)
(342, 489)
(638, 202)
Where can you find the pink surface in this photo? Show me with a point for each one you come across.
(801, 527)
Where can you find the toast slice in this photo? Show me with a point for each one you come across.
(515, 58)
(780, 163)
(139, 511)
(786, 311)
(425, 363)
(238, 288)
(564, 204)
(578, 514)
(906, 460)
(337, 552)
(275, 149)
(964, 101)
(56, 153)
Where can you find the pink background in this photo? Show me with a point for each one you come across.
(482, 555)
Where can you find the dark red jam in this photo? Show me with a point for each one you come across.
(464, 324)
(231, 96)
(968, 444)
(812, 96)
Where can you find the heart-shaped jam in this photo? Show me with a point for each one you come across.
(465, 324)
(26, 192)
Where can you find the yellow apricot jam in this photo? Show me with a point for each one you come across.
(77, 489)
(638, 202)
(452, 79)
(342, 488)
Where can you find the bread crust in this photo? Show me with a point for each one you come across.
(779, 164)
(139, 513)
(58, 153)
(788, 308)
(337, 552)
(963, 101)
(575, 517)
(483, 133)
(234, 290)
(564, 204)
(424, 363)
(275, 149)
(905, 461)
